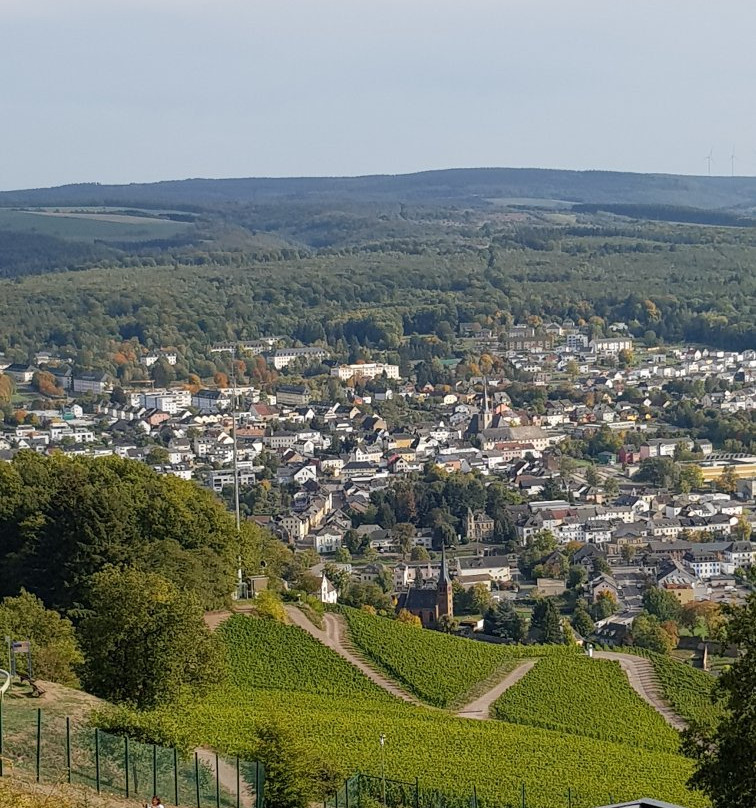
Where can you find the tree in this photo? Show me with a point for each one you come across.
(576, 577)
(409, 619)
(611, 487)
(661, 603)
(627, 551)
(703, 617)
(293, 777)
(545, 622)
(691, 478)
(447, 624)
(502, 620)
(727, 481)
(145, 639)
(480, 598)
(55, 652)
(741, 531)
(268, 606)
(648, 632)
(342, 555)
(581, 620)
(604, 606)
(157, 456)
(419, 554)
(404, 533)
(592, 476)
(724, 754)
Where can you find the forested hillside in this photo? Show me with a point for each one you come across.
(373, 264)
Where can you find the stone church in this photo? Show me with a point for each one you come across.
(430, 600)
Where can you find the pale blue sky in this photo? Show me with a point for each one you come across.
(141, 90)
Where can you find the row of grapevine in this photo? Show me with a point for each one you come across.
(438, 668)
(589, 697)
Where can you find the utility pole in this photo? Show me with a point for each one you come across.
(232, 350)
(382, 740)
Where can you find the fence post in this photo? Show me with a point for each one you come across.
(569, 797)
(346, 791)
(68, 748)
(258, 787)
(97, 759)
(154, 769)
(238, 784)
(524, 805)
(217, 781)
(175, 776)
(126, 762)
(196, 778)
(39, 738)
(1, 736)
(417, 792)
(475, 797)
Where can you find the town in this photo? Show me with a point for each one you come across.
(546, 461)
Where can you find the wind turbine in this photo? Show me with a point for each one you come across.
(709, 159)
(732, 162)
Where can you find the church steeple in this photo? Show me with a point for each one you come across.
(445, 594)
(487, 418)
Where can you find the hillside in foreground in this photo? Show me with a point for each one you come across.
(280, 674)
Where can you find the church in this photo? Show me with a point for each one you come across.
(430, 600)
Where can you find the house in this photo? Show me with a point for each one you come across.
(604, 583)
(495, 567)
(20, 373)
(292, 395)
(611, 345)
(480, 526)
(96, 383)
(284, 357)
(211, 401)
(327, 593)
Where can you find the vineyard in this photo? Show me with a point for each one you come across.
(688, 690)
(583, 696)
(254, 652)
(280, 674)
(438, 668)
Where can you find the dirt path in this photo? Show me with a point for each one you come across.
(640, 673)
(480, 708)
(333, 638)
(226, 776)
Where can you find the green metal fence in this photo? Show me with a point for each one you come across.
(371, 791)
(53, 749)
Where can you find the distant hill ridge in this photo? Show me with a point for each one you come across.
(458, 186)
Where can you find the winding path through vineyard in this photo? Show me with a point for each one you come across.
(480, 708)
(640, 674)
(333, 638)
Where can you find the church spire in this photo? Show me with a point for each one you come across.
(486, 409)
(444, 572)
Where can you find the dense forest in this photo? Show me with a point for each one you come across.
(345, 262)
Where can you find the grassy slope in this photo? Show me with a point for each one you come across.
(281, 674)
(589, 697)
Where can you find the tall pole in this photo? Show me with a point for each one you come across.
(236, 469)
(382, 740)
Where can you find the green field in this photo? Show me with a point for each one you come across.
(282, 674)
(439, 669)
(90, 226)
(583, 696)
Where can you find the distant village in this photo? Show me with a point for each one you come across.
(319, 463)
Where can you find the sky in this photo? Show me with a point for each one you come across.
(118, 91)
